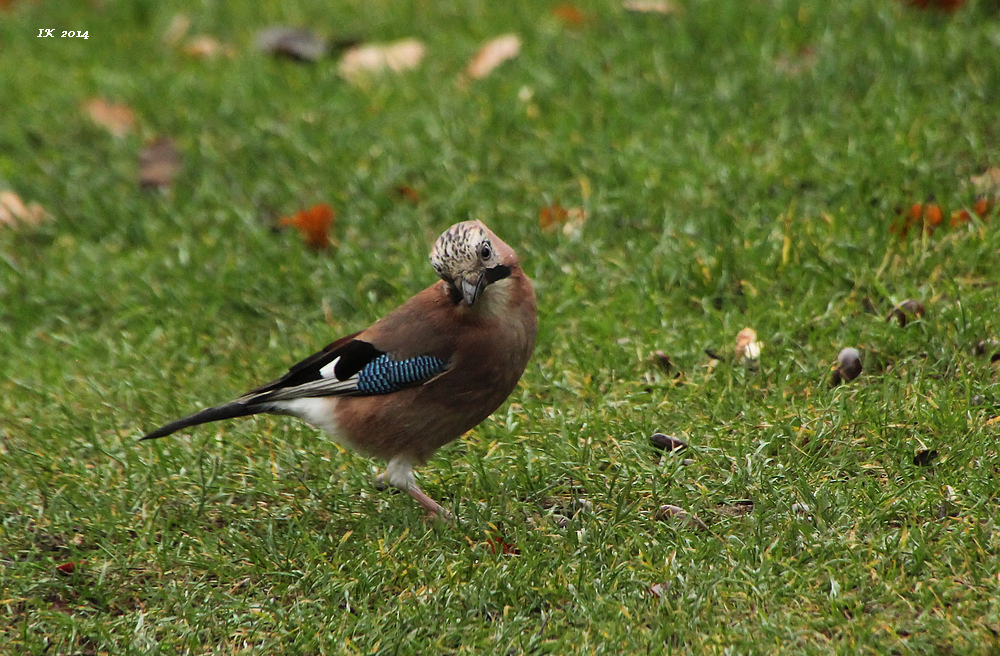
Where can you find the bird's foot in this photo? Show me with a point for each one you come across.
(382, 484)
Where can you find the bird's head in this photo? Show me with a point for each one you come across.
(469, 258)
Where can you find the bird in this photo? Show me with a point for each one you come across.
(421, 376)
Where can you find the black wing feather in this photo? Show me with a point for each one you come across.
(354, 354)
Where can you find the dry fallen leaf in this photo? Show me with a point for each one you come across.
(553, 217)
(15, 214)
(115, 118)
(408, 193)
(207, 47)
(314, 224)
(493, 53)
(292, 42)
(501, 546)
(70, 567)
(651, 6)
(376, 57)
(159, 163)
(569, 14)
(747, 347)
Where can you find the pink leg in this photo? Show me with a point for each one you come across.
(429, 504)
(399, 474)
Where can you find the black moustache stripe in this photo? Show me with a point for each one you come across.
(498, 272)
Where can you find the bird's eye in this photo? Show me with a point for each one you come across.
(485, 252)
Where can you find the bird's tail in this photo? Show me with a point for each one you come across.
(225, 411)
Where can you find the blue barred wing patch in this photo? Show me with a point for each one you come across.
(383, 375)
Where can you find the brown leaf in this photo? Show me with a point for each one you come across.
(408, 193)
(664, 7)
(292, 42)
(552, 216)
(501, 546)
(314, 224)
(555, 216)
(569, 14)
(377, 57)
(69, 567)
(204, 46)
(159, 163)
(115, 118)
(493, 53)
(15, 214)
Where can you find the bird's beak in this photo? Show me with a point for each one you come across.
(472, 286)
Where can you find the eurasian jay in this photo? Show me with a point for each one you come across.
(421, 376)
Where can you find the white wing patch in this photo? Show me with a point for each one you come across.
(327, 370)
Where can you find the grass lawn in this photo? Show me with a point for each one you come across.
(739, 163)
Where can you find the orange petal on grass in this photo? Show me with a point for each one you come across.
(314, 224)
(117, 119)
(493, 53)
